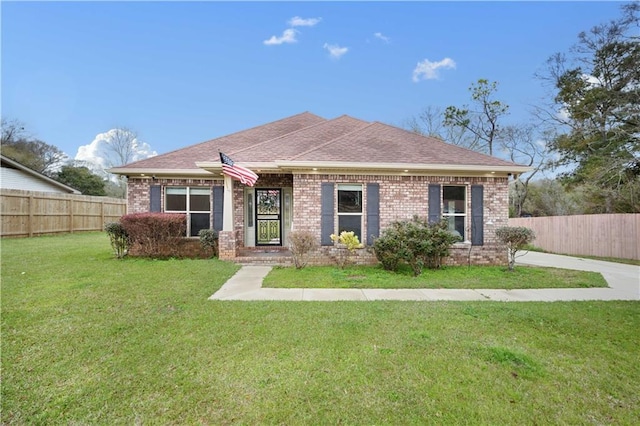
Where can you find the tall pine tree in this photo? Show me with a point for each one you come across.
(598, 95)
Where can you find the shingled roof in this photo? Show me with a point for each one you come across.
(307, 141)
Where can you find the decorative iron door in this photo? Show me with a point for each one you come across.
(268, 217)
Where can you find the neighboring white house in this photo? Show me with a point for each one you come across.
(14, 175)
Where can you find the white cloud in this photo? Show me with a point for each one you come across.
(563, 114)
(335, 51)
(288, 36)
(427, 70)
(592, 80)
(297, 21)
(382, 37)
(97, 156)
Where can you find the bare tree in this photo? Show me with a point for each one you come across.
(12, 130)
(522, 145)
(431, 122)
(121, 147)
(33, 153)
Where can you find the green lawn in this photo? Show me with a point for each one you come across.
(450, 277)
(87, 339)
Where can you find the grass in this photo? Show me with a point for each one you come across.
(475, 277)
(87, 339)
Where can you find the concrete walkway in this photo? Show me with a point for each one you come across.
(623, 280)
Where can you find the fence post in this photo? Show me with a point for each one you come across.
(30, 219)
(71, 215)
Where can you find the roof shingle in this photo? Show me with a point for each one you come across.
(185, 158)
(307, 138)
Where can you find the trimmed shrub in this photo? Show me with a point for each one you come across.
(516, 238)
(155, 234)
(416, 242)
(441, 239)
(389, 248)
(209, 241)
(300, 244)
(119, 238)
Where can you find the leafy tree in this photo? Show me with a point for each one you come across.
(115, 189)
(597, 102)
(81, 179)
(18, 145)
(480, 120)
(548, 197)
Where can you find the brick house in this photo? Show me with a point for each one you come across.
(326, 176)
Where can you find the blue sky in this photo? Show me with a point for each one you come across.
(180, 73)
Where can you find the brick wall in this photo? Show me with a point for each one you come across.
(138, 195)
(401, 197)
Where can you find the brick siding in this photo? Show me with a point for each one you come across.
(401, 197)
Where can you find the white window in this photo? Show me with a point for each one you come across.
(454, 202)
(350, 209)
(194, 202)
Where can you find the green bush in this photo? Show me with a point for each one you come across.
(300, 244)
(516, 238)
(389, 247)
(347, 243)
(209, 240)
(119, 238)
(416, 242)
(155, 234)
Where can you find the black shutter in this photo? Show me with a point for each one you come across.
(218, 207)
(373, 212)
(477, 215)
(326, 214)
(155, 198)
(435, 214)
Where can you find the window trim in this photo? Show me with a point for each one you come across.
(188, 210)
(465, 215)
(348, 186)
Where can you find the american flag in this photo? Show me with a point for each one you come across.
(240, 173)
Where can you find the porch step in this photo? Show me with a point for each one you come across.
(264, 256)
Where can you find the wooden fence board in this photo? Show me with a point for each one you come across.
(31, 213)
(602, 235)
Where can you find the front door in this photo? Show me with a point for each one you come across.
(268, 217)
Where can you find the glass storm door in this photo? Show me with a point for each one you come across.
(268, 217)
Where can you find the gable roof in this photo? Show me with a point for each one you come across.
(23, 177)
(185, 158)
(309, 142)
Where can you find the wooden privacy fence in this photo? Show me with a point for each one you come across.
(603, 235)
(31, 213)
